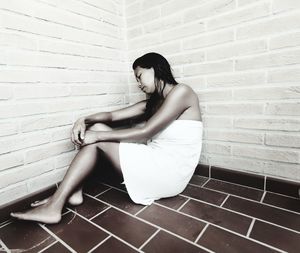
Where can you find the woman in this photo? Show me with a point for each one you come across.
(156, 160)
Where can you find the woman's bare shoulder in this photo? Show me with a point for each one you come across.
(188, 90)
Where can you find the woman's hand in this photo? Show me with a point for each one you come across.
(78, 132)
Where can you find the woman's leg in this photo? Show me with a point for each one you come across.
(76, 197)
(81, 166)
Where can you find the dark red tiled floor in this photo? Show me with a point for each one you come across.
(209, 216)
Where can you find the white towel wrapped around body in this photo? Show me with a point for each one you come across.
(164, 166)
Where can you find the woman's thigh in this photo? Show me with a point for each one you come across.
(110, 149)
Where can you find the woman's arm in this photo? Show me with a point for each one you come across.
(174, 105)
(131, 111)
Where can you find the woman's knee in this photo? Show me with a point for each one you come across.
(99, 127)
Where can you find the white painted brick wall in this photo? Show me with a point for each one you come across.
(242, 58)
(58, 60)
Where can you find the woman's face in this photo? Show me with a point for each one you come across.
(145, 78)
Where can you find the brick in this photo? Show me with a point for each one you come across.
(40, 91)
(282, 170)
(144, 41)
(11, 160)
(214, 95)
(14, 192)
(292, 108)
(284, 75)
(234, 136)
(216, 148)
(143, 17)
(215, 122)
(285, 92)
(245, 2)
(271, 154)
(133, 8)
(279, 6)
(269, 26)
(22, 109)
(162, 24)
(44, 122)
(6, 92)
(239, 16)
(8, 128)
(134, 32)
(269, 60)
(15, 40)
(236, 50)
(285, 40)
(197, 83)
(151, 4)
(208, 9)
(61, 133)
(45, 180)
(64, 159)
(178, 5)
(208, 68)
(236, 79)
(47, 151)
(208, 39)
(13, 176)
(183, 31)
(186, 58)
(23, 141)
(268, 124)
(283, 140)
(235, 109)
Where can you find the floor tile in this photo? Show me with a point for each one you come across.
(234, 189)
(264, 212)
(173, 202)
(113, 245)
(164, 242)
(25, 236)
(222, 241)
(125, 226)
(184, 226)
(238, 177)
(218, 216)
(278, 237)
(198, 180)
(202, 170)
(282, 201)
(94, 188)
(89, 207)
(121, 200)
(78, 233)
(282, 186)
(57, 248)
(203, 194)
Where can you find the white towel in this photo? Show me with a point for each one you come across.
(164, 166)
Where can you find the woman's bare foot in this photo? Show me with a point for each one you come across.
(75, 199)
(44, 213)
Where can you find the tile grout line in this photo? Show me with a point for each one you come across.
(203, 185)
(105, 230)
(138, 212)
(156, 226)
(149, 239)
(262, 198)
(226, 229)
(3, 245)
(224, 200)
(102, 192)
(100, 243)
(250, 228)
(57, 238)
(50, 245)
(6, 223)
(237, 196)
(233, 211)
(201, 233)
(100, 213)
(188, 199)
(242, 214)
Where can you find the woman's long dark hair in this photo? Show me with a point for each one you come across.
(162, 72)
